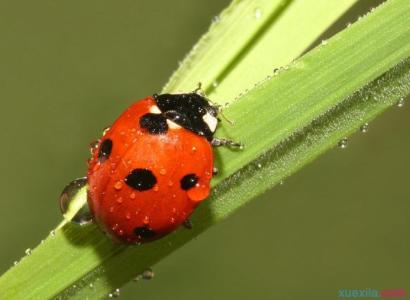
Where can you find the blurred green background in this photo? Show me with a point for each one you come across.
(67, 69)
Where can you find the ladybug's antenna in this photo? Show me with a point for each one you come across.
(199, 91)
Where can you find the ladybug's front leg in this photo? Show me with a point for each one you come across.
(217, 142)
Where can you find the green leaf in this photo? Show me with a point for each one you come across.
(285, 122)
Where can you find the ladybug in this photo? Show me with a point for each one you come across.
(153, 166)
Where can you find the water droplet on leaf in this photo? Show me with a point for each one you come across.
(342, 143)
(216, 19)
(73, 203)
(400, 103)
(364, 127)
(258, 13)
(148, 274)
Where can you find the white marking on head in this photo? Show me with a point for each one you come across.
(211, 121)
(154, 110)
(173, 125)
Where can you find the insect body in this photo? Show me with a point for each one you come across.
(153, 166)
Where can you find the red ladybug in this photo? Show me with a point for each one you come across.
(153, 166)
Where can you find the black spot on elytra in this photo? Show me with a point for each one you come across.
(189, 181)
(105, 150)
(144, 232)
(154, 123)
(141, 179)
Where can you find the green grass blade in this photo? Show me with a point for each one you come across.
(249, 40)
(284, 122)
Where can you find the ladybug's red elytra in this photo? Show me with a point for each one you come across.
(153, 166)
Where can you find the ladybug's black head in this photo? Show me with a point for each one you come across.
(190, 111)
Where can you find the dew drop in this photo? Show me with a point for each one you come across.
(118, 185)
(400, 103)
(128, 216)
(132, 196)
(28, 252)
(258, 13)
(148, 274)
(91, 285)
(348, 25)
(324, 42)
(163, 172)
(343, 143)
(259, 166)
(215, 84)
(73, 195)
(105, 130)
(364, 128)
(93, 146)
(52, 233)
(216, 19)
(119, 200)
(15, 263)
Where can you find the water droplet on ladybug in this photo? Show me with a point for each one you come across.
(193, 149)
(105, 130)
(119, 200)
(145, 220)
(111, 209)
(163, 172)
(132, 196)
(170, 183)
(93, 146)
(128, 216)
(73, 202)
(120, 232)
(155, 188)
(118, 185)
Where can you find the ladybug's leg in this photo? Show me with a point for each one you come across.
(216, 142)
(215, 171)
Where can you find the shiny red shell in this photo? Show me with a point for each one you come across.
(132, 216)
